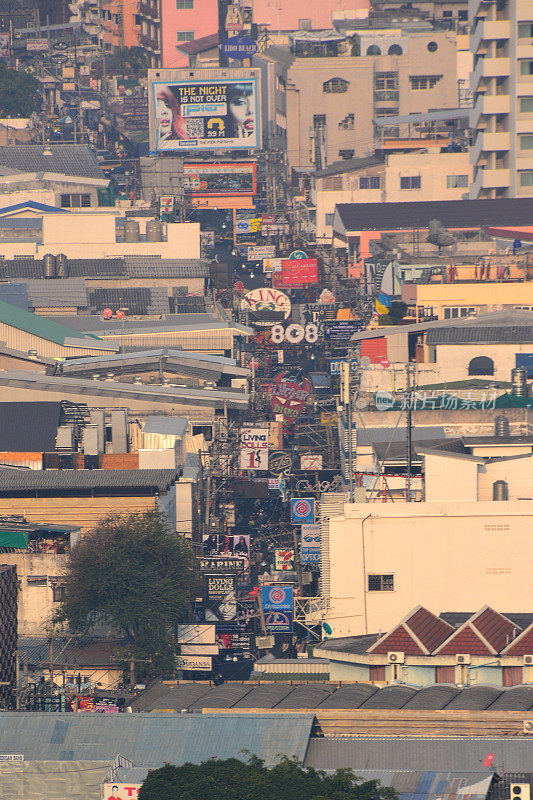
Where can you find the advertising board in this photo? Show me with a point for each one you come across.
(341, 330)
(206, 114)
(37, 45)
(253, 448)
(197, 663)
(310, 544)
(121, 791)
(266, 306)
(277, 602)
(298, 271)
(220, 179)
(224, 544)
(196, 634)
(261, 252)
(220, 598)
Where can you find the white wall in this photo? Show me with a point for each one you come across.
(453, 556)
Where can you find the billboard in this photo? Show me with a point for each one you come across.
(253, 448)
(121, 791)
(283, 560)
(341, 330)
(200, 114)
(198, 663)
(223, 544)
(196, 634)
(261, 252)
(297, 271)
(310, 544)
(4, 45)
(220, 179)
(221, 564)
(277, 602)
(220, 598)
(265, 307)
(302, 510)
(37, 45)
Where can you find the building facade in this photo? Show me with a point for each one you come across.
(502, 86)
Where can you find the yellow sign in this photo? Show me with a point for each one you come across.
(328, 418)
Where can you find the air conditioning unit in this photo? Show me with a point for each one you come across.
(396, 658)
(528, 659)
(519, 791)
(264, 642)
(527, 726)
(462, 658)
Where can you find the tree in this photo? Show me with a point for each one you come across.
(397, 312)
(127, 60)
(19, 92)
(133, 574)
(238, 780)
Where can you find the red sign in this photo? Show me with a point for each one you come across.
(289, 397)
(299, 271)
(489, 760)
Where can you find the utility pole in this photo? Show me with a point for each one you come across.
(346, 401)
(409, 373)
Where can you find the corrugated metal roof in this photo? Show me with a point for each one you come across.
(52, 780)
(463, 753)
(40, 326)
(267, 695)
(433, 697)
(56, 293)
(426, 785)
(352, 696)
(66, 159)
(28, 427)
(390, 697)
(153, 739)
(138, 299)
(484, 334)
(475, 698)
(16, 480)
(166, 426)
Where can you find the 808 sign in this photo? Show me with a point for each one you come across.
(294, 334)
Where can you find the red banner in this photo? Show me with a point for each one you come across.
(298, 271)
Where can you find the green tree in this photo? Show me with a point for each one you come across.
(131, 572)
(19, 92)
(397, 312)
(238, 780)
(128, 60)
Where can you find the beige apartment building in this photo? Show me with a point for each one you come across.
(333, 100)
(502, 84)
(388, 178)
(382, 559)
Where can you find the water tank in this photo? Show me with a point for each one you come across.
(61, 266)
(500, 490)
(154, 231)
(519, 382)
(501, 426)
(49, 266)
(131, 231)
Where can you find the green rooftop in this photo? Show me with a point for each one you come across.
(39, 326)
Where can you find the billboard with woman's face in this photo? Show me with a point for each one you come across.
(205, 115)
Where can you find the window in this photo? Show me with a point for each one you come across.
(346, 155)
(182, 4)
(386, 80)
(381, 583)
(386, 112)
(424, 81)
(410, 182)
(526, 142)
(370, 182)
(446, 15)
(184, 36)
(526, 178)
(305, 24)
(433, 46)
(457, 181)
(525, 30)
(512, 676)
(136, 19)
(526, 105)
(335, 86)
(453, 312)
(347, 123)
(481, 365)
(37, 580)
(319, 120)
(58, 594)
(395, 50)
(75, 201)
(462, 15)
(526, 68)
(373, 50)
(329, 219)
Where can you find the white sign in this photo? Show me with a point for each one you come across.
(121, 791)
(196, 634)
(199, 649)
(254, 448)
(200, 663)
(11, 757)
(309, 461)
(272, 265)
(259, 253)
(283, 560)
(266, 306)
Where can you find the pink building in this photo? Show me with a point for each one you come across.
(183, 21)
(281, 15)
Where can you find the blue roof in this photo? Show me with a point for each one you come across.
(31, 205)
(153, 739)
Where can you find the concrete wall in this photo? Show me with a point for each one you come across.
(452, 556)
(202, 19)
(35, 603)
(453, 360)
(489, 296)
(448, 477)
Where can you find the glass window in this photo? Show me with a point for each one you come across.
(410, 182)
(329, 219)
(319, 120)
(85, 200)
(381, 583)
(364, 183)
(526, 141)
(395, 50)
(526, 178)
(457, 181)
(386, 80)
(65, 201)
(526, 105)
(184, 36)
(462, 15)
(373, 50)
(374, 182)
(525, 30)
(335, 86)
(446, 14)
(433, 47)
(526, 68)
(419, 82)
(346, 155)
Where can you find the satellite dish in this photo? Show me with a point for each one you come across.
(489, 760)
(366, 361)
(327, 629)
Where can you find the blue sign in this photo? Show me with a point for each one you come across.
(302, 510)
(277, 602)
(298, 255)
(310, 544)
(239, 47)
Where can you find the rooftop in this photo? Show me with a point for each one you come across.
(66, 159)
(351, 165)
(29, 427)
(20, 482)
(43, 328)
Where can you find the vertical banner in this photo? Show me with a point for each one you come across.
(278, 608)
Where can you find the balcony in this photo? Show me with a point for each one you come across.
(387, 95)
(490, 104)
(495, 178)
(488, 31)
(487, 143)
(149, 11)
(489, 68)
(148, 43)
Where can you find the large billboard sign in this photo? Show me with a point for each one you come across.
(220, 179)
(199, 114)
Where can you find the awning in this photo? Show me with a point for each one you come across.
(14, 539)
